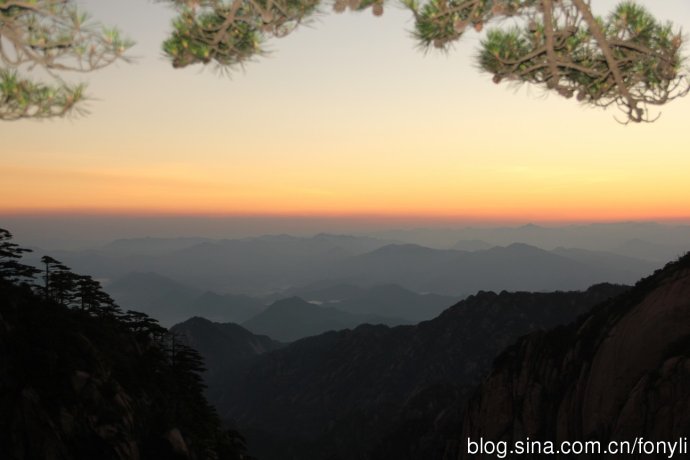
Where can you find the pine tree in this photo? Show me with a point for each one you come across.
(629, 59)
(10, 253)
(58, 37)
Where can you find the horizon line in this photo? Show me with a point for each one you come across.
(370, 216)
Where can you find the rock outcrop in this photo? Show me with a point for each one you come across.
(619, 373)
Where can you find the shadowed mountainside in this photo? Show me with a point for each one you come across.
(291, 319)
(620, 372)
(337, 394)
(222, 344)
(80, 385)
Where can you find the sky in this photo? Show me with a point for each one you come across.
(345, 118)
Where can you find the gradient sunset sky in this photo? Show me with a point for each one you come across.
(345, 117)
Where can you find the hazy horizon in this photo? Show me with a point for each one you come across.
(84, 231)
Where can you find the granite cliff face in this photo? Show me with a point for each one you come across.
(620, 372)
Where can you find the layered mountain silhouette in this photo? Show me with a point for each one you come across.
(256, 265)
(81, 378)
(339, 306)
(661, 242)
(625, 266)
(154, 294)
(291, 319)
(261, 266)
(338, 394)
(150, 246)
(648, 250)
(619, 372)
(514, 267)
(387, 300)
(171, 301)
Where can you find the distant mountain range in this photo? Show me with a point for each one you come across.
(618, 372)
(336, 306)
(393, 284)
(234, 280)
(514, 267)
(666, 241)
(608, 362)
(150, 246)
(170, 301)
(386, 300)
(266, 265)
(291, 319)
(349, 388)
(249, 266)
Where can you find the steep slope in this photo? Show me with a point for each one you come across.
(621, 372)
(222, 344)
(291, 319)
(83, 385)
(337, 394)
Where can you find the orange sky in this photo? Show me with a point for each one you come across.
(374, 128)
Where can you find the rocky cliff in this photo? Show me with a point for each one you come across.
(620, 372)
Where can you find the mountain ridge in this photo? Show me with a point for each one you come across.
(620, 372)
(294, 318)
(318, 391)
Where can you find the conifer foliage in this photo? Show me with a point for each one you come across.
(10, 254)
(628, 60)
(56, 37)
(129, 387)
